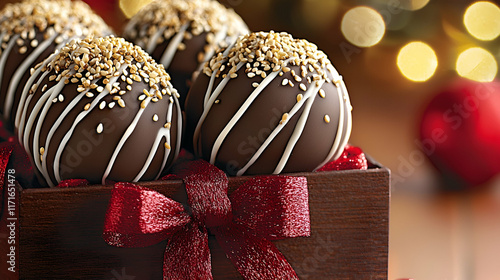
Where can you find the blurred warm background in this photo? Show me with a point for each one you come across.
(395, 55)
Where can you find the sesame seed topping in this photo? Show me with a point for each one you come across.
(327, 119)
(321, 93)
(263, 52)
(167, 146)
(101, 62)
(67, 18)
(100, 128)
(168, 125)
(284, 118)
(299, 97)
(155, 117)
(201, 16)
(42, 150)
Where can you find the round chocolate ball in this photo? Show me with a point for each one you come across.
(269, 104)
(100, 109)
(29, 32)
(182, 34)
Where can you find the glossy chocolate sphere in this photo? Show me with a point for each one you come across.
(101, 109)
(269, 104)
(182, 34)
(32, 30)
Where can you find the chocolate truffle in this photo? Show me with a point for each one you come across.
(29, 32)
(100, 109)
(182, 34)
(269, 104)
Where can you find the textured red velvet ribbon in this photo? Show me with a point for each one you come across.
(262, 209)
(5, 151)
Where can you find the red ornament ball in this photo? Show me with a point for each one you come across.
(460, 132)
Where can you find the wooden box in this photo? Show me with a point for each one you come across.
(56, 233)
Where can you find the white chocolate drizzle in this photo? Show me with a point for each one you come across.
(176, 20)
(305, 102)
(34, 120)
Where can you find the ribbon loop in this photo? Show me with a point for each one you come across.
(139, 217)
(266, 208)
(275, 207)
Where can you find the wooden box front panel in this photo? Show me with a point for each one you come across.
(59, 233)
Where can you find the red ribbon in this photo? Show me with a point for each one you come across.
(262, 209)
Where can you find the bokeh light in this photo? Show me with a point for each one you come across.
(482, 20)
(363, 26)
(131, 7)
(413, 5)
(477, 64)
(417, 61)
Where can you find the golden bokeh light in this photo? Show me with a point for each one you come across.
(477, 64)
(482, 20)
(363, 26)
(131, 7)
(413, 5)
(417, 61)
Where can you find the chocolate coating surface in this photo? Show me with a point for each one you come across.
(182, 35)
(261, 115)
(100, 110)
(30, 31)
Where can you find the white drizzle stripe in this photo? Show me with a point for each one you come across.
(221, 35)
(237, 116)
(53, 129)
(29, 83)
(338, 145)
(179, 132)
(36, 137)
(294, 138)
(78, 119)
(213, 96)
(32, 116)
(162, 132)
(25, 101)
(309, 95)
(124, 139)
(21, 70)
(153, 40)
(5, 55)
(212, 79)
(169, 53)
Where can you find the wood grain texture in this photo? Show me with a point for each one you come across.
(60, 232)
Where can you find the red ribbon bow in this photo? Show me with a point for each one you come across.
(262, 209)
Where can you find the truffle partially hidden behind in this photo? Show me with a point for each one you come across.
(270, 104)
(182, 34)
(100, 109)
(32, 30)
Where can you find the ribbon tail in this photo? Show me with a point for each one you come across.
(255, 258)
(5, 152)
(187, 255)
